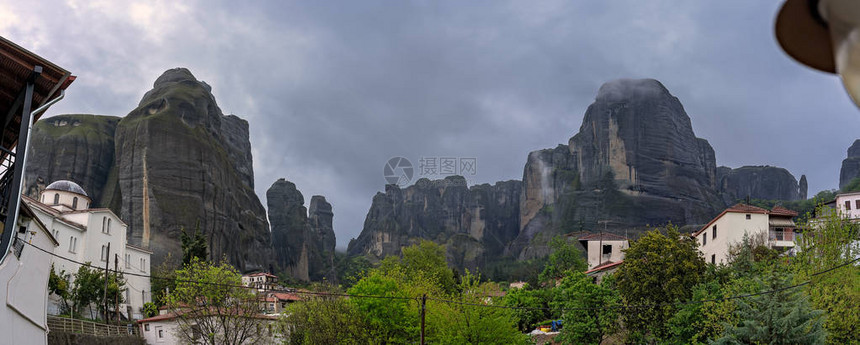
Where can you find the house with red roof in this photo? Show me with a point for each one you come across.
(776, 226)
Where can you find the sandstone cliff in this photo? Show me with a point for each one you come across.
(303, 243)
(78, 148)
(851, 165)
(635, 162)
(761, 182)
(474, 223)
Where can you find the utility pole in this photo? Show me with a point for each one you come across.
(104, 298)
(116, 279)
(423, 311)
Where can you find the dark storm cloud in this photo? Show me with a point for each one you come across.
(333, 90)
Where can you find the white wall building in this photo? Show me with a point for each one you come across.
(848, 205)
(84, 235)
(728, 229)
(604, 248)
(24, 282)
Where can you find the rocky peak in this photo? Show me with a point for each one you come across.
(850, 165)
(637, 131)
(304, 242)
(181, 162)
(621, 90)
(761, 182)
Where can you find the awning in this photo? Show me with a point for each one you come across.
(781, 222)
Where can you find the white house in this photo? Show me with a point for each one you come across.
(261, 281)
(729, 227)
(603, 248)
(94, 235)
(164, 329)
(24, 277)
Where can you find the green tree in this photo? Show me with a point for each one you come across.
(163, 279)
(324, 320)
(149, 309)
(58, 285)
(829, 241)
(213, 307)
(468, 322)
(87, 288)
(391, 320)
(564, 258)
(658, 271)
(590, 314)
(350, 269)
(783, 316)
(532, 306)
(193, 246)
(426, 260)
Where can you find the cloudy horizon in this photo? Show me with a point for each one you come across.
(332, 90)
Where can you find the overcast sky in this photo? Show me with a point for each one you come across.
(332, 90)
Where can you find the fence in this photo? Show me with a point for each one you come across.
(69, 325)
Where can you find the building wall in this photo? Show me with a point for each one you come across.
(24, 289)
(169, 332)
(853, 199)
(730, 230)
(139, 288)
(101, 227)
(595, 252)
(65, 199)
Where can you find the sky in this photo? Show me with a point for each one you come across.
(334, 89)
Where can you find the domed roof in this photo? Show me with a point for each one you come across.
(68, 186)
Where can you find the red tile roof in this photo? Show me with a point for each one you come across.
(744, 208)
(283, 296)
(603, 266)
(782, 211)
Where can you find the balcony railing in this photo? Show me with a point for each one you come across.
(781, 235)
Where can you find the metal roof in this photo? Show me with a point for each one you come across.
(16, 67)
(67, 186)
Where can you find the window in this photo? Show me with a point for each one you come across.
(607, 249)
(704, 238)
(143, 264)
(104, 253)
(75, 203)
(714, 259)
(714, 232)
(108, 227)
(73, 244)
(749, 216)
(56, 198)
(848, 205)
(127, 296)
(104, 222)
(127, 260)
(856, 204)
(146, 327)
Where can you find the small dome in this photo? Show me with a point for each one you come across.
(68, 186)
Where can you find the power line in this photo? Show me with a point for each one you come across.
(336, 294)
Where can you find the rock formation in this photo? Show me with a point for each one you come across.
(78, 148)
(174, 162)
(474, 223)
(635, 163)
(851, 165)
(180, 163)
(304, 244)
(761, 182)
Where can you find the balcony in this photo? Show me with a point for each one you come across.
(782, 237)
